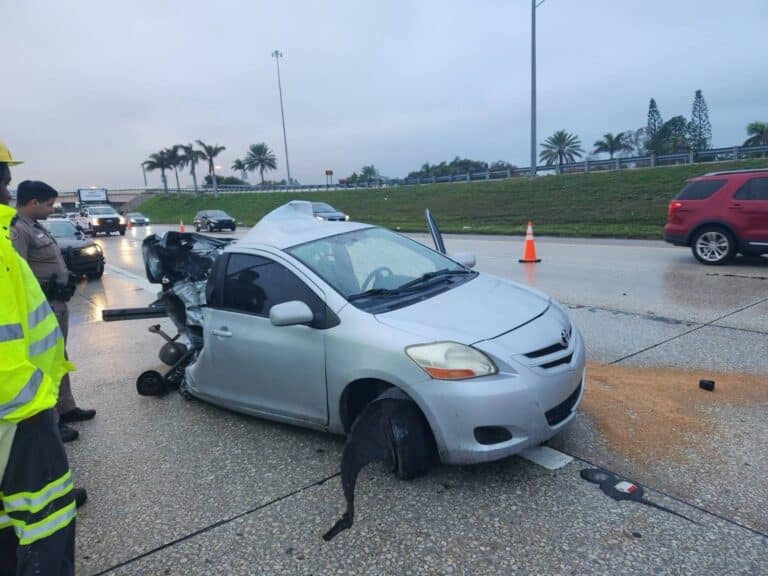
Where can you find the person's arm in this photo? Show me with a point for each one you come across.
(21, 241)
(17, 374)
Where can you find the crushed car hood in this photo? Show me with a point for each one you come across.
(482, 308)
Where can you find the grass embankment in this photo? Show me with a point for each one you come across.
(626, 203)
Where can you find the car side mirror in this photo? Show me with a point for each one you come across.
(290, 314)
(465, 259)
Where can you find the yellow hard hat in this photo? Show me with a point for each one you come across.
(5, 156)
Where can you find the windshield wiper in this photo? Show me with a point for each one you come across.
(373, 292)
(425, 278)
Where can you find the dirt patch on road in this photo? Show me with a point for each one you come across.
(660, 413)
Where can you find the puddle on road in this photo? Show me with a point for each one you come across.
(661, 413)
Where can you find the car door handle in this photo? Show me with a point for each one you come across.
(223, 332)
(735, 207)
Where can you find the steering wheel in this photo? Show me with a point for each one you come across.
(380, 273)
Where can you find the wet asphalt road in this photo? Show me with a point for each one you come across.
(180, 487)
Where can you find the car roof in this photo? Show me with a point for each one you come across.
(292, 224)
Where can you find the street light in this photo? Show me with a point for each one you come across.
(534, 5)
(277, 55)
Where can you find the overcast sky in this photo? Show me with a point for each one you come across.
(92, 87)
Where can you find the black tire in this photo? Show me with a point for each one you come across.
(412, 444)
(122, 232)
(713, 245)
(197, 227)
(98, 273)
(234, 227)
(211, 229)
(151, 383)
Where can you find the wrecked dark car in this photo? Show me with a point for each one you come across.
(307, 322)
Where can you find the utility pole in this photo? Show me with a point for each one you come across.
(533, 88)
(277, 55)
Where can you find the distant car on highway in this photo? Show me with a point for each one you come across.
(213, 220)
(137, 219)
(103, 219)
(720, 214)
(81, 254)
(323, 211)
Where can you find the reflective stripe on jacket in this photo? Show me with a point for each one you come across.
(32, 358)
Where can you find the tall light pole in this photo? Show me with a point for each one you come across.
(534, 4)
(144, 170)
(277, 55)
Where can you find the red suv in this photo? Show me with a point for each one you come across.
(720, 214)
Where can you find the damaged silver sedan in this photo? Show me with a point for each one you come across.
(307, 322)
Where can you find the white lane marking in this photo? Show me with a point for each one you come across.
(134, 279)
(546, 457)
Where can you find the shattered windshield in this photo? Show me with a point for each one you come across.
(367, 265)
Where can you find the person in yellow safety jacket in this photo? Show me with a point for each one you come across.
(37, 506)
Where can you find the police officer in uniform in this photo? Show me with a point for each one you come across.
(34, 201)
(37, 501)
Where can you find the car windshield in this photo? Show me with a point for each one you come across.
(216, 214)
(61, 228)
(370, 265)
(322, 207)
(102, 210)
(135, 215)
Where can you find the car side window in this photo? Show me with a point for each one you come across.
(754, 189)
(253, 284)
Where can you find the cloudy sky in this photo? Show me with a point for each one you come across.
(91, 87)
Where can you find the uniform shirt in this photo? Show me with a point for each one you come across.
(36, 245)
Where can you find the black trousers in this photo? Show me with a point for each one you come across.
(42, 539)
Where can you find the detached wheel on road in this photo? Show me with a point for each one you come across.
(713, 245)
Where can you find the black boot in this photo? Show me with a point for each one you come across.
(67, 434)
(77, 415)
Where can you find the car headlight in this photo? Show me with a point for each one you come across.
(91, 250)
(319, 218)
(121, 220)
(146, 220)
(95, 221)
(346, 217)
(451, 360)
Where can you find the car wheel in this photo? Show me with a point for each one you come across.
(713, 245)
(412, 446)
(234, 227)
(122, 232)
(210, 228)
(197, 227)
(98, 273)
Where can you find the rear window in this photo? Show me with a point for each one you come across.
(700, 190)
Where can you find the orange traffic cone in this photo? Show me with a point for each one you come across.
(529, 250)
(181, 225)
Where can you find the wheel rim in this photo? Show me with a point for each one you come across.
(713, 246)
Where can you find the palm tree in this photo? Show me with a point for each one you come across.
(209, 153)
(240, 166)
(758, 134)
(612, 144)
(561, 147)
(159, 161)
(174, 158)
(190, 157)
(260, 157)
(368, 173)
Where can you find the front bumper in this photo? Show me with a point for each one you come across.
(531, 406)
